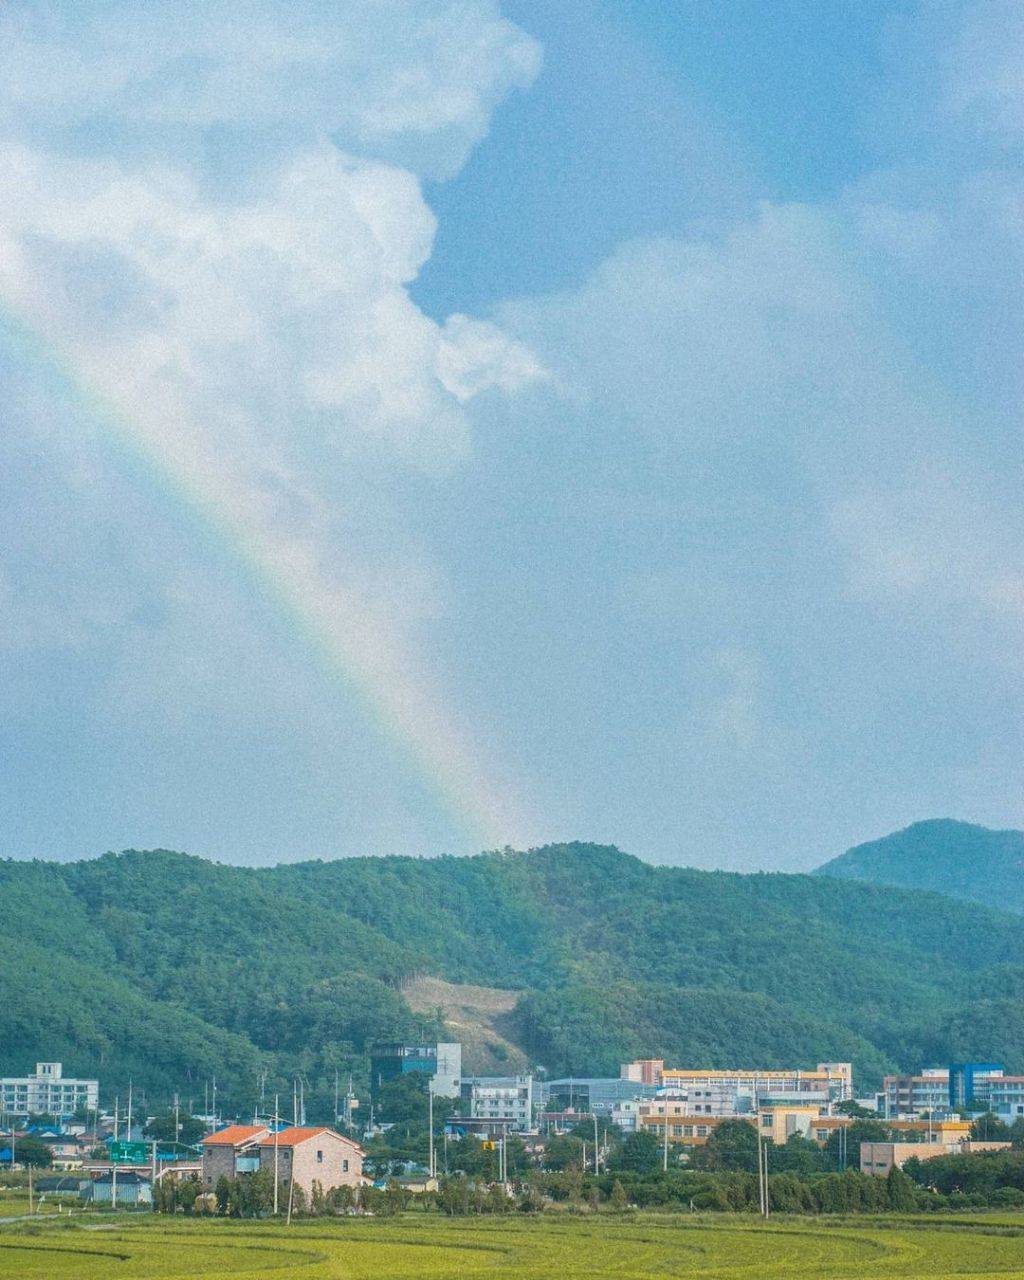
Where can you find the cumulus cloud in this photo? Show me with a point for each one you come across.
(411, 81)
(212, 214)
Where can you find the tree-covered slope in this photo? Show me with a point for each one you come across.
(170, 968)
(955, 858)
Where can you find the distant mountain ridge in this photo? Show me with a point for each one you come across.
(959, 859)
(170, 969)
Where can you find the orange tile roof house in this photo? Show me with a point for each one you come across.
(232, 1151)
(307, 1154)
(311, 1155)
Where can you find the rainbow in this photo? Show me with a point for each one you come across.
(343, 632)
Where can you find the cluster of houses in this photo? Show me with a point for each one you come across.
(682, 1107)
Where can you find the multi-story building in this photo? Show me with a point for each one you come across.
(1006, 1096)
(970, 1082)
(782, 1121)
(643, 1070)
(48, 1092)
(597, 1095)
(735, 1092)
(308, 1155)
(499, 1097)
(683, 1129)
(232, 1151)
(626, 1114)
(442, 1062)
(312, 1155)
(911, 1096)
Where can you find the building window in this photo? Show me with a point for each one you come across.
(344, 1165)
(319, 1157)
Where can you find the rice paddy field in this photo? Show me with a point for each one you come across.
(421, 1248)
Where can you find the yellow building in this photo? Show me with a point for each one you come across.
(683, 1128)
(781, 1123)
(941, 1131)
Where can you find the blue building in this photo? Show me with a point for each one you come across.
(971, 1082)
(441, 1062)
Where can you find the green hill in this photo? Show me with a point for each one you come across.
(955, 858)
(169, 968)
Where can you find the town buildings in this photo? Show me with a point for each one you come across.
(48, 1092)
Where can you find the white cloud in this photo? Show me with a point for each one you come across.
(936, 541)
(243, 315)
(984, 64)
(413, 81)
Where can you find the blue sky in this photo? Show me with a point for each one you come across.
(446, 424)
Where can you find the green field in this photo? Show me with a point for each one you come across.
(419, 1248)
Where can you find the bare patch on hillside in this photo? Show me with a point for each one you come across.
(477, 1017)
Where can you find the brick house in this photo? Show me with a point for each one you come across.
(232, 1151)
(313, 1155)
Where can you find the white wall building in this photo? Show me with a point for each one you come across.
(627, 1113)
(499, 1098)
(447, 1077)
(48, 1092)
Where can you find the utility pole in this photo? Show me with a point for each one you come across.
(767, 1185)
(128, 1118)
(215, 1103)
(762, 1171)
(295, 1102)
(596, 1148)
(177, 1120)
(430, 1127)
(113, 1167)
(276, 1131)
(335, 1095)
(664, 1152)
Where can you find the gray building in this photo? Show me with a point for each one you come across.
(597, 1095)
(129, 1188)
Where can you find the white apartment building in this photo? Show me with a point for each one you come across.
(499, 1098)
(48, 1092)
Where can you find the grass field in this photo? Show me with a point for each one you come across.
(421, 1248)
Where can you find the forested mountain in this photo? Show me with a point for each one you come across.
(955, 858)
(171, 969)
